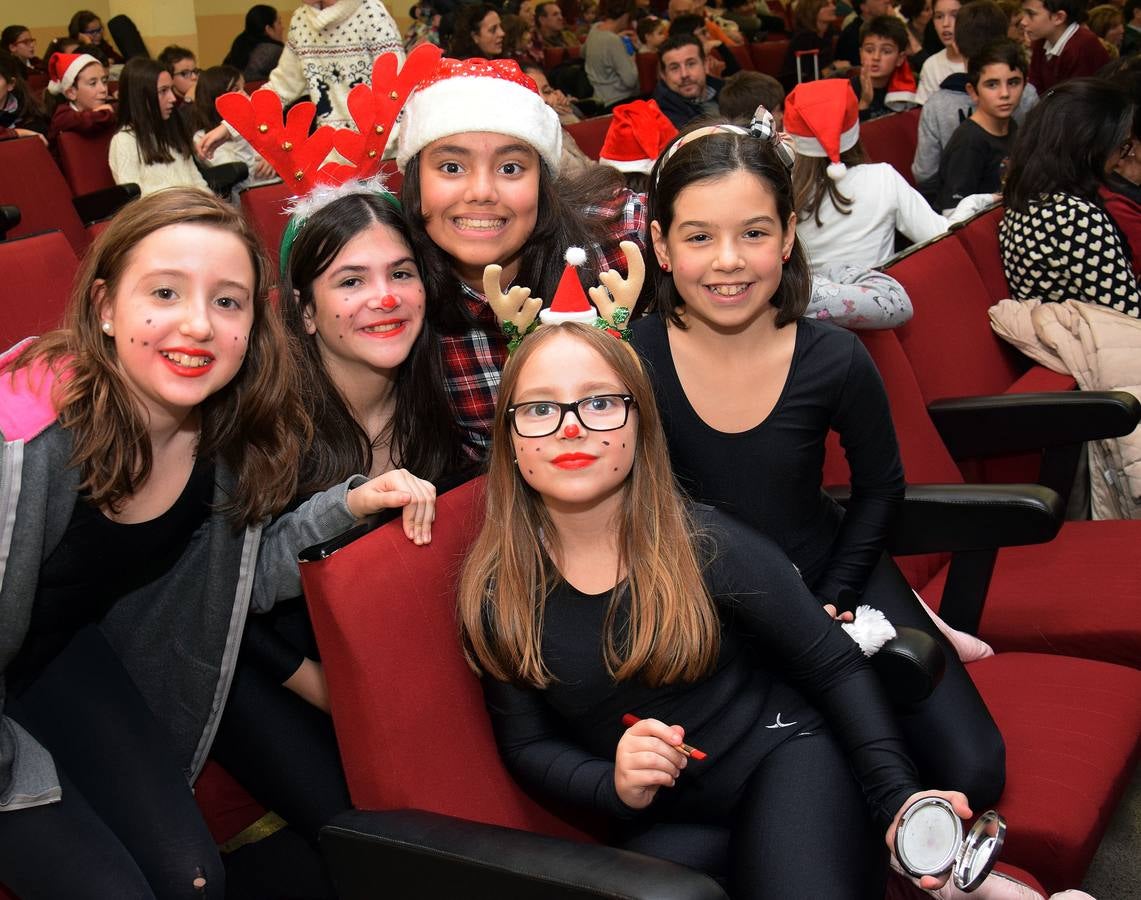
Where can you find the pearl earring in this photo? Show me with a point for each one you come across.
(106, 327)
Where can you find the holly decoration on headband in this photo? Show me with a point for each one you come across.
(519, 313)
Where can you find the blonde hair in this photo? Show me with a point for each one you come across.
(673, 632)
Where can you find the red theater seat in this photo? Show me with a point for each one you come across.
(83, 159)
(31, 180)
(38, 272)
(264, 208)
(647, 72)
(892, 139)
(768, 56)
(590, 134)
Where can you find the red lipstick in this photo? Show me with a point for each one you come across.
(187, 371)
(400, 329)
(573, 460)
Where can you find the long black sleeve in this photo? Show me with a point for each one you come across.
(561, 741)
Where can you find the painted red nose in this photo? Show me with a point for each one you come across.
(388, 302)
(572, 430)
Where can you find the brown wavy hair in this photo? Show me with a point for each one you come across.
(673, 633)
(811, 183)
(256, 423)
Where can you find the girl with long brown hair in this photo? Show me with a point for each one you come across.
(595, 595)
(144, 445)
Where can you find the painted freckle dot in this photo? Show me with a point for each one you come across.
(146, 343)
(530, 471)
(623, 446)
(148, 321)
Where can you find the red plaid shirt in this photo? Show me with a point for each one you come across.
(473, 359)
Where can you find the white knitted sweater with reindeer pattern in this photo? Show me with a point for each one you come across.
(331, 50)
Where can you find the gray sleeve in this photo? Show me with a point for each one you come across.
(858, 298)
(929, 149)
(321, 517)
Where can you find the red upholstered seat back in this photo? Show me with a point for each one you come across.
(949, 340)
(647, 71)
(409, 713)
(263, 208)
(590, 134)
(743, 56)
(38, 273)
(979, 237)
(30, 179)
(83, 159)
(768, 56)
(892, 139)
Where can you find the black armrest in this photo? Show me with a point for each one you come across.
(9, 219)
(971, 522)
(952, 518)
(411, 853)
(1015, 423)
(222, 178)
(99, 205)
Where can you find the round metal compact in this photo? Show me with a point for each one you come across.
(929, 841)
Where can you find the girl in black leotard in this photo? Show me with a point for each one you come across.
(593, 591)
(748, 391)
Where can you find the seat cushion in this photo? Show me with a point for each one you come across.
(1076, 595)
(1072, 731)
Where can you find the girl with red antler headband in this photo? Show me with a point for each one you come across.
(353, 298)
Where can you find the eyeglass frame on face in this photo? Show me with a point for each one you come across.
(27, 40)
(627, 400)
(187, 73)
(91, 32)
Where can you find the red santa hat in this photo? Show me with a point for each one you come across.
(569, 303)
(638, 133)
(64, 68)
(901, 88)
(465, 95)
(823, 119)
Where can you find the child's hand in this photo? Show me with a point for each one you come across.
(211, 141)
(104, 106)
(962, 809)
(647, 758)
(262, 169)
(867, 89)
(395, 489)
(830, 608)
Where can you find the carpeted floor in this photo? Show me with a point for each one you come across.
(1116, 870)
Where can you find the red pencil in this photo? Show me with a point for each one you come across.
(630, 719)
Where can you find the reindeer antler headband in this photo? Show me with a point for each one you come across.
(304, 160)
(519, 313)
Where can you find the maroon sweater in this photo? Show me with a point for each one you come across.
(88, 121)
(1083, 55)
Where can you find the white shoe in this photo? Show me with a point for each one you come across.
(997, 886)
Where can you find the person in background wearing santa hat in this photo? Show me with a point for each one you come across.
(480, 152)
(79, 88)
(637, 135)
(20, 113)
(849, 210)
(885, 83)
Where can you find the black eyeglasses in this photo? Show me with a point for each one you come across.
(538, 418)
(188, 73)
(91, 32)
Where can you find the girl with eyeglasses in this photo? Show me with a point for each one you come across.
(614, 625)
(87, 28)
(18, 41)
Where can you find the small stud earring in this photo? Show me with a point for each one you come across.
(106, 327)
(786, 257)
(665, 267)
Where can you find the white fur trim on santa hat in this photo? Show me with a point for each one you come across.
(471, 103)
(809, 146)
(67, 79)
(645, 166)
(899, 100)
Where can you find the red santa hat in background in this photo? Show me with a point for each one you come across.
(638, 134)
(823, 119)
(901, 88)
(64, 68)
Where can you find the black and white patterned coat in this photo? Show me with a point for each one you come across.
(1067, 248)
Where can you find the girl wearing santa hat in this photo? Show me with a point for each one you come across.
(848, 210)
(480, 151)
(79, 86)
(749, 389)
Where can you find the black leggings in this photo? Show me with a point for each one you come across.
(800, 828)
(952, 738)
(282, 749)
(127, 826)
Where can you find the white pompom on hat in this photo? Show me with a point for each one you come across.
(823, 119)
(469, 95)
(64, 68)
(569, 303)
